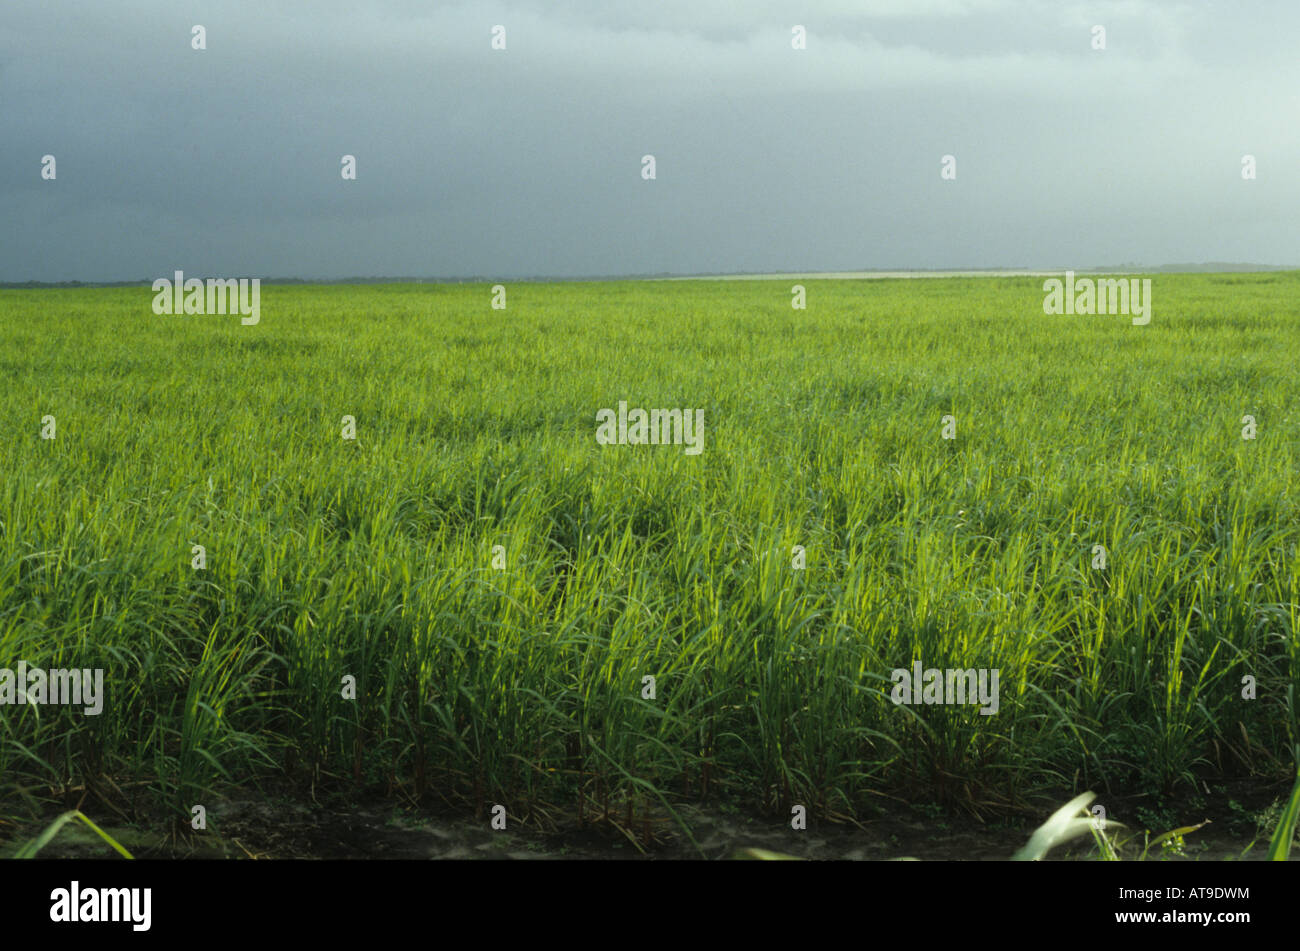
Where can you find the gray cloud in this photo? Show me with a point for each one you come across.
(527, 162)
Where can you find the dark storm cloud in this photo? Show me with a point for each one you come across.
(527, 162)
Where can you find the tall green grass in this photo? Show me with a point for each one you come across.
(373, 558)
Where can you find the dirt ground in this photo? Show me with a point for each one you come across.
(277, 828)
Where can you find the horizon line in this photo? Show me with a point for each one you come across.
(1209, 267)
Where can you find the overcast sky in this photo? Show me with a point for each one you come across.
(527, 162)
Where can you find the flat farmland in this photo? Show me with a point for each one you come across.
(393, 543)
